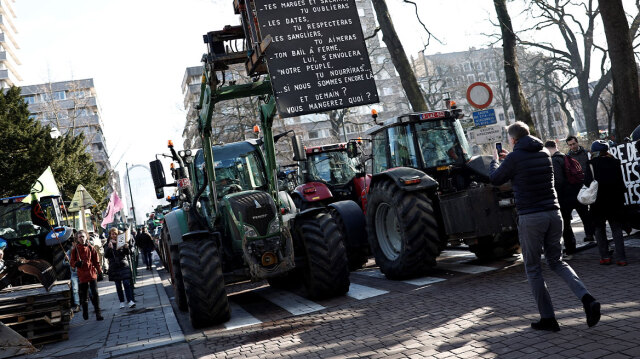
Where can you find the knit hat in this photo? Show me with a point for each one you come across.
(599, 145)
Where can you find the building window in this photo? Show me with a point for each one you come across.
(313, 134)
(501, 116)
(471, 78)
(59, 95)
(482, 77)
(467, 66)
(492, 76)
(30, 99)
(511, 115)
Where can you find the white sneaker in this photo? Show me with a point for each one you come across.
(121, 305)
(131, 304)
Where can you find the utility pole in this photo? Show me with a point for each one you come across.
(133, 208)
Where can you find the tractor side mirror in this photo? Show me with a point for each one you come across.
(352, 150)
(157, 174)
(299, 154)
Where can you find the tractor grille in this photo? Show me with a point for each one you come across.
(256, 209)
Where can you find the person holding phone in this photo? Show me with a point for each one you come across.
(119, 270)
(530, 171)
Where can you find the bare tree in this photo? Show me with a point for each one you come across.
(518, 100)
(575, 61)
(399, 57)
(626, 105)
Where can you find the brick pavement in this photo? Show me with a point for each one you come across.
(485, 316)
(150, 324)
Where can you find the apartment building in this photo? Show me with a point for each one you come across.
(71, 106)
(452, 73)
(9, 62)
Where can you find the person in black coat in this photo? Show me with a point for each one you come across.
(119, 270)
(609, 204)
(567, 196)
(146, 246)
(530, 170)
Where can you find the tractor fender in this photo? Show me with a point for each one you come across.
(309, 212)
(354, 222)
(176, 223)
(313, 192)
(58, 235)
(361, 187)
(401, 174)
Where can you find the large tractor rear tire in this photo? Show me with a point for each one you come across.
(403, 231)
(61, 268)
(176, 279)
(357, 255)
(495, 247)
(326, 272)
(204, 283)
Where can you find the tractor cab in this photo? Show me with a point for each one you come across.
(239, 167)
(329, 164)
(432, 142)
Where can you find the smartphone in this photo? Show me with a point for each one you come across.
(498, 147)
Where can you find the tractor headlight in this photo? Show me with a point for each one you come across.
(249, 231)
(274, 226)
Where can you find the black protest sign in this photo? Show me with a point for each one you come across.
(629, 159)
(317, 60)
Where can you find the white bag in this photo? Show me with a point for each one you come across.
(588, 195)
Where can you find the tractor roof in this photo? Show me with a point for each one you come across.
(326, 148)
(416, 117)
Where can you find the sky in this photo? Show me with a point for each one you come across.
(137, 52)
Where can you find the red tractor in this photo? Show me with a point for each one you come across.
(331, 179)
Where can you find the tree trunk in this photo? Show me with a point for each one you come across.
(518, 100)
(399, 57)
(626, 105)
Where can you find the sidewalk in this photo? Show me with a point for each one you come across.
(150, 324)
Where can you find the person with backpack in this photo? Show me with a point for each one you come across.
(567, 179)
(579, 154)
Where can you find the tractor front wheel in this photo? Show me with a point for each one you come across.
(403, 232)
(203, 283)
(326, 272)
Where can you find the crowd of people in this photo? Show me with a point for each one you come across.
(86, 267)
(546, 184)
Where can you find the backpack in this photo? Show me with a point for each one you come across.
(573, 170)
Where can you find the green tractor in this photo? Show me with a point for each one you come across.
(427, 192)
(234, 224)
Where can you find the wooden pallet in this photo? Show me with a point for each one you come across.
(39, 316)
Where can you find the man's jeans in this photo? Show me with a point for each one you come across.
(540, 233)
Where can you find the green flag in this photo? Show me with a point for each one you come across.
(45, 186)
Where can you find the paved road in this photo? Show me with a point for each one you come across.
(464, 309)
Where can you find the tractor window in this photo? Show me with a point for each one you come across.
(442, 143)
(401, 147)
(380, 162)
(238, 171)
(332, 167)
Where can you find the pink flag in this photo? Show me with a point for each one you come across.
(115, 205)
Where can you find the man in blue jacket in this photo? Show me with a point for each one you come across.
(530, 171)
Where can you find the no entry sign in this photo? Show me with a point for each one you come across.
(479, 95)
(317, 60)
